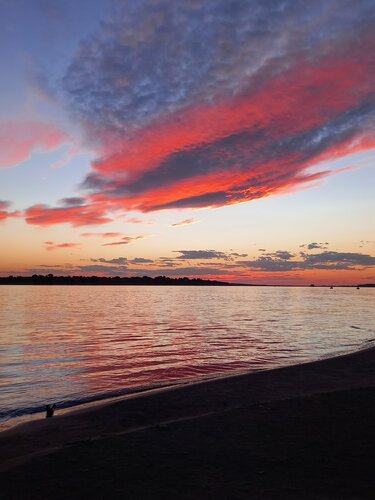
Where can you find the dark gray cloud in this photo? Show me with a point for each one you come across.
(181, 271)
(323, 260)
(281, 254)
(314, 245)
(201, 254)
(156, 57)
(340, 258)
(270, 264)
(73, 201)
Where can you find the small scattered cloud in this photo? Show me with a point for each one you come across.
(362, 243)
(185, 222)
(315, 246)
(281, 254)
(137, 220)
(4, 212)
(102, 235)
(124, 241)
(4, 204)
(50, 245)
(74, 201)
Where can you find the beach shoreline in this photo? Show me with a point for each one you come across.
(127, 393)
(204, 416)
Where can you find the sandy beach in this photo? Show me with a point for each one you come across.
(303, 432)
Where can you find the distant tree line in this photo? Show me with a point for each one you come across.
(50, 279)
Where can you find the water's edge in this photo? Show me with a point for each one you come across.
(18, 417)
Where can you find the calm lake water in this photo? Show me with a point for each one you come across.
(70, 344)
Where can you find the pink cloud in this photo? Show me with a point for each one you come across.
(257, 144)
(4, 213)
(42, 215)
(50, 245)
(18, 140)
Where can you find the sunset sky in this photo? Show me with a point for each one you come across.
(220, 139)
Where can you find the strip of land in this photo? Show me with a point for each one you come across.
(303, 432)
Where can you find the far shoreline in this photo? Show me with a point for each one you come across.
(52, 280)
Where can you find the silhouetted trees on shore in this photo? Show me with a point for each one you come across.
(50, 279)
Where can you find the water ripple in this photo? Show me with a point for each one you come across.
(74, 344)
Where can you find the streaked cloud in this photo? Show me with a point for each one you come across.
(141, 260)
(201, 254)
(124, 241)
(208, 254)
(81, 215)
(101, 235)
(137, 220)
(185, 222)
(50, 245)
(4, 212)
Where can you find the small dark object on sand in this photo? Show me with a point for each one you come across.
(50, 409)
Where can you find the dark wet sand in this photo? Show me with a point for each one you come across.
(301, 432)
